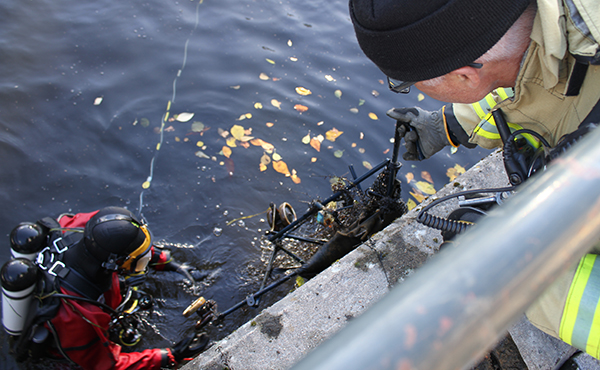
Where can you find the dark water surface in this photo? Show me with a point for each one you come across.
(61, 151)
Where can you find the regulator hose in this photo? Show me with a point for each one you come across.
(455, 226)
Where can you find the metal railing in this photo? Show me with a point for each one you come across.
(455, 307)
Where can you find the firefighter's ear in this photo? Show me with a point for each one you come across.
(469, 76)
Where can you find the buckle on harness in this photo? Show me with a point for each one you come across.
(41, 258)
(57, 247)
(62, 271)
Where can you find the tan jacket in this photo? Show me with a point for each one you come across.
(540, 102)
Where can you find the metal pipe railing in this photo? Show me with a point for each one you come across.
(455, 307)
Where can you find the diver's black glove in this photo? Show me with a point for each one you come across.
(429, 134)
(189, 347)
(162, 261)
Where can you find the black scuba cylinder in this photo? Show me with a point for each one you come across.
(19, 277)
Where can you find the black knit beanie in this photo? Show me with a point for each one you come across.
(416, 40)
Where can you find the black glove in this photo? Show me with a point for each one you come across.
(189, 347)
(429, 134)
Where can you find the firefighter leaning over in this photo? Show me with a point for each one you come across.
(538, 62)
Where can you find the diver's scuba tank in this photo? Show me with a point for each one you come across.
(19, 277)
(27, 240)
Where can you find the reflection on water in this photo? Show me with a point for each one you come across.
(84, 90)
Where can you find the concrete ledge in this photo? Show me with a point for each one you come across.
(284, 333)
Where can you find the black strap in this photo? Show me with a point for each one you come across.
(75, 282)
(577, 78)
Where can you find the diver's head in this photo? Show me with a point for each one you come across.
(117, 239)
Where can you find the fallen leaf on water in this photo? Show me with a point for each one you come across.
(338, 153)
(223, 133)
(425, 187)
(236, 87)
(197, 126)
(263, 76)
(231, 142)
(226, 151)
(367, 165)
(333, 134)
(361, 102)
(184, 117)
(262, 167)
(244, 144)
(354, 110)
(98, 100)
(409, 177)
(265, 159)
(329, 78)
(276, 157)
(146, 185)
(144, 122)
(303, 91)
(237, 132)
(426, 176)
(353, 145)
(293, 59)
(269, 124)
(200, 144)
(281, 167)
(315, 143)
(300, 108)
(170, 129)
(320, 138)
(320, 123)
(295, 179)
(270, 61)
(289, 43)
(338, 94)
(375, 93)
(306, 139)
(455, 171)
(373, 116)
(411, 204)
(201, 154)
(418, 196)
(386, 151)
(276, 103)
(313, 159)
(246, 138)
(258, 105)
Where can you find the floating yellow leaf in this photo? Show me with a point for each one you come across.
(295, 179)
(300, 108)
(200, 144)
(303, 91)
(338, 94)
(289, 43)
(426, 176)
(237, 132)
(293, 59)
(276, 157)
(306, 139)
(262, 167)
(270, 61)
(226, 151)
(184, 117)
(246, 138)
(409, 177)
(258, 105)
(313, 159)
(320, 138)
(373, 116)
(333, 134)
(146, 185)
(231, 142)
(455, 171)
(329, 78)
(338, 153)
(281, 167)
(260, 142)
(418, 196)
(425, 187)
(315, 143)
(320, 123)
(276, 103)
(269, 124)
(367, 165)
(411, 204)
(263, 76)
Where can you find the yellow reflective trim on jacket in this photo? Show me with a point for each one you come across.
(487, 126)
(580, 322)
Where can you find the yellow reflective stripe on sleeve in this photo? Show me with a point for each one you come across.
(505, 93)
(580, 323)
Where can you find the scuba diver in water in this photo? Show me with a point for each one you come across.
(77, 284)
